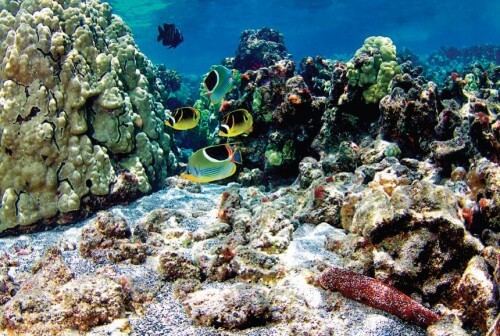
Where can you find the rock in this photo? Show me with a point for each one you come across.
(449, 325)
(108, 238)
(173, 266)
(233, 307)
(479, 294)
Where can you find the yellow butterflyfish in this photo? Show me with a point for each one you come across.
(235, 123)
(212, 163)
(184, 118)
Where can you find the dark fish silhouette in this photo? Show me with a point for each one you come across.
(170, 35)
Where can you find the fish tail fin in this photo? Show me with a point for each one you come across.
(160, 33)
(237, 157)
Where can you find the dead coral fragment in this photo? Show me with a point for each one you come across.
(92, 300)
(108, 238)
(238, 306)
(175, 266)
(376, 294)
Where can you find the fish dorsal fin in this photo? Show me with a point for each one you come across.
(160, 33)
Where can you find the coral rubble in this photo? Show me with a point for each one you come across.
(107, 238)
(229, 308)
(53, 299)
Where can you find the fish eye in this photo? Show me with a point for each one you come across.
(171, 120)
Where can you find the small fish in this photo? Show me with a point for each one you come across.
(170, 35)
(212, 163)
(184, 118)
(218, 82)
(235, 123)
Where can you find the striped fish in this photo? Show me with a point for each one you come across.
(218, 82)
(236, 122)
(212, 163)
(184, 118)
(170, 35)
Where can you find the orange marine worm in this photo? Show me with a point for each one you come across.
(376, 294)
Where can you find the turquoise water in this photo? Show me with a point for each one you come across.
(212, 28)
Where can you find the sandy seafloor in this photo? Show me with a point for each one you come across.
(165, 315)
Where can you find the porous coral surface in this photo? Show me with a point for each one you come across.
(78, 108)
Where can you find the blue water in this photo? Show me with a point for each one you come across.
(212, 28)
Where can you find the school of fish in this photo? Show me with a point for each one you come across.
(214, 162)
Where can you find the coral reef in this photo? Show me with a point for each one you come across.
(285, 116)
(259, 48)
(317, 73)
(412, 179)
(79, 107)
(474, 60)
(367, 177)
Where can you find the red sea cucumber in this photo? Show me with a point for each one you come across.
(376, 294)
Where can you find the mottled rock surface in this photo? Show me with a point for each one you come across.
(255, 286)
